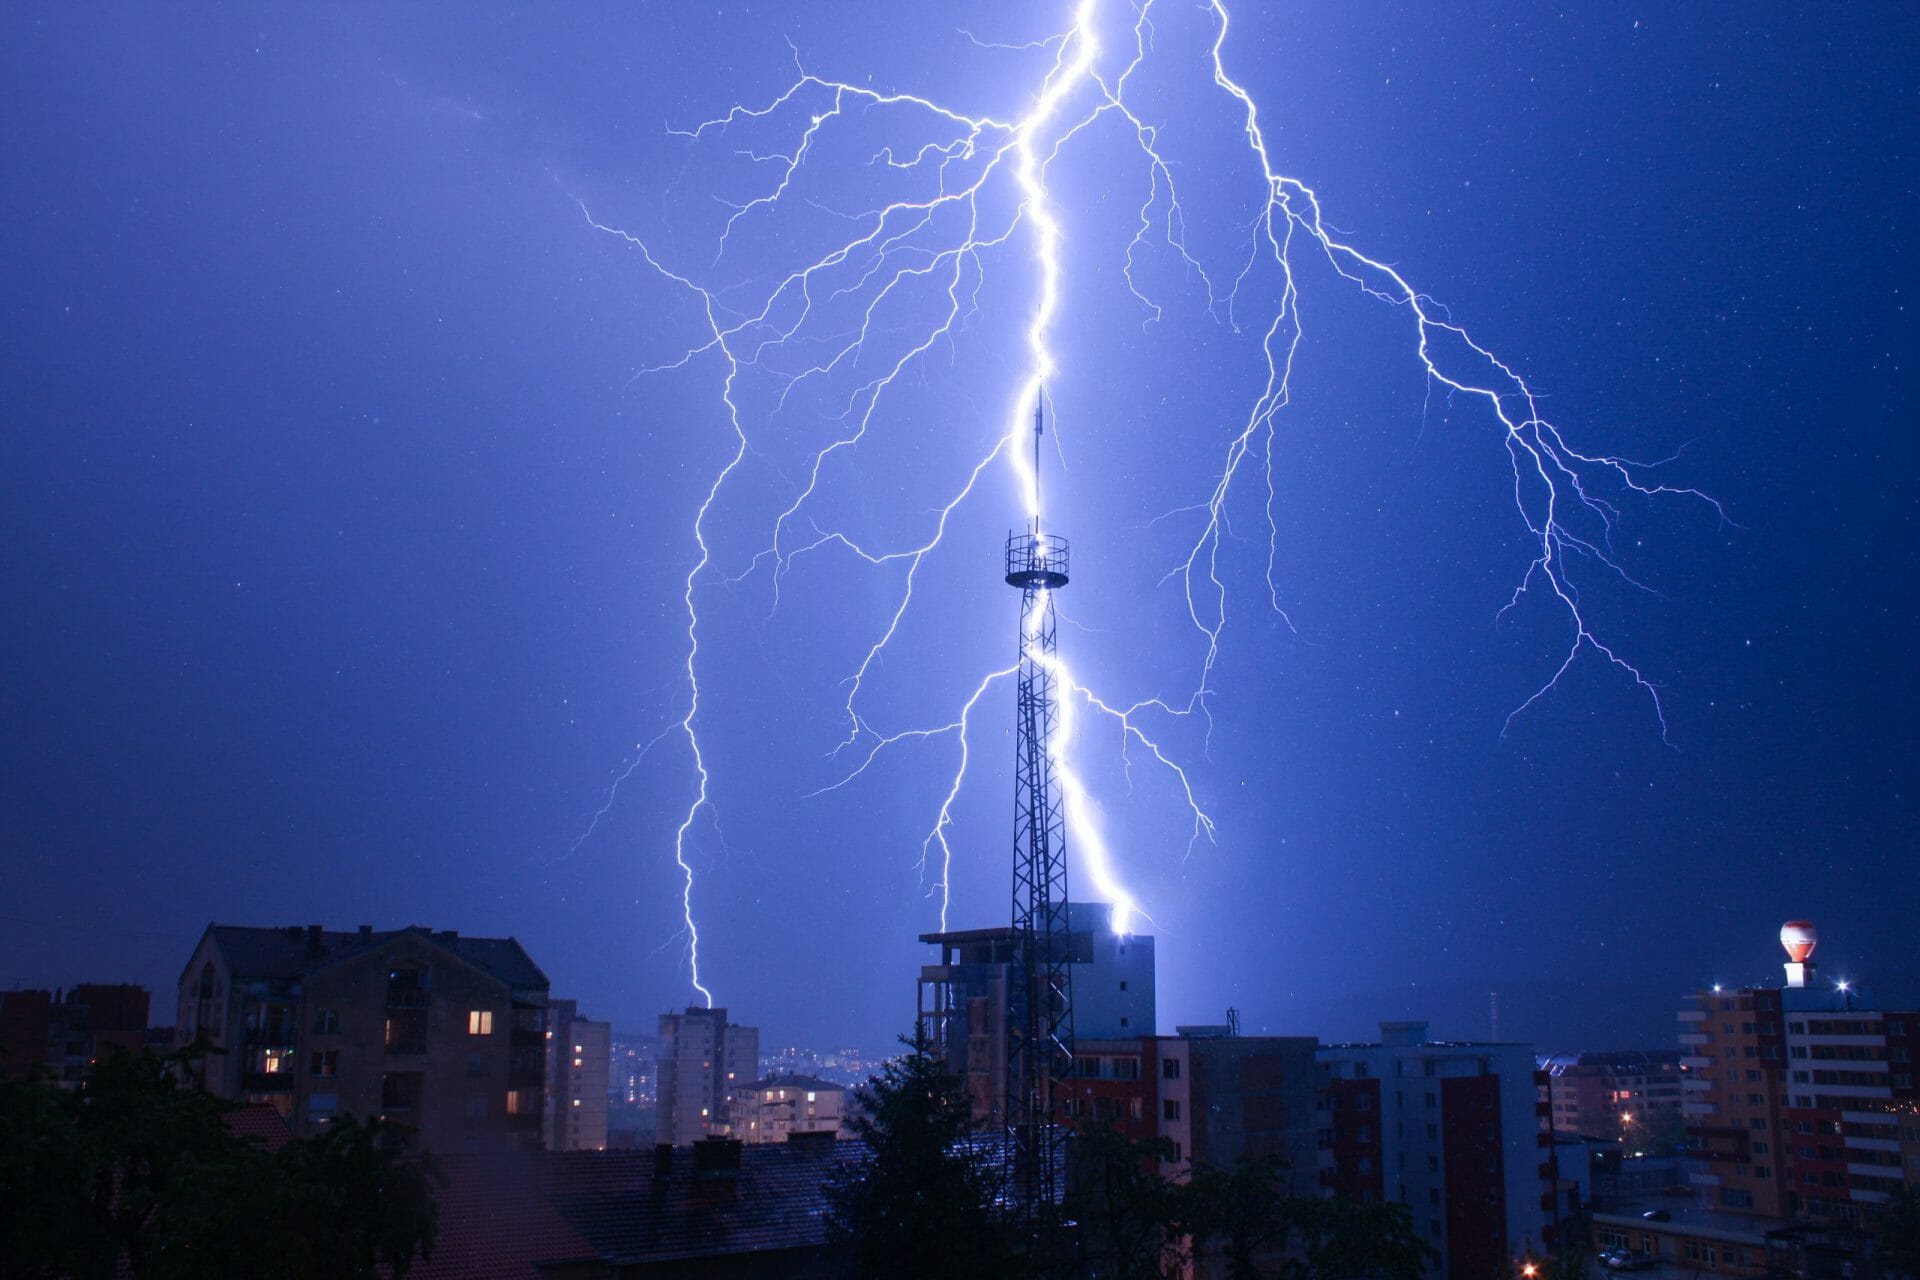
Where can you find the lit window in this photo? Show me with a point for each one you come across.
(578, 1049)
(809, 1095)
(480, 1022)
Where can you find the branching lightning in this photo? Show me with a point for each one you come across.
(973, 191)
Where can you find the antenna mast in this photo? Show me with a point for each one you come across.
(1039, 985)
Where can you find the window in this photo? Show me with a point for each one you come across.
(1170, 1069)
(476, 1065)
(1363, 1103)
(480, 1022)
(1176, 1153)
(1170, 1109)
(400, 1090)
(476, 1106)
(321, 1107)
(325, 1062)
(326, 1022)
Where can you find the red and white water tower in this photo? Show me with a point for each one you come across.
(1799, 937)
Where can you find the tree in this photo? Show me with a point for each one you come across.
(131, 1172)
(1896, 1235)
(922, 1202)
(1341, 1239)
(1238, 1213)
(1128, 1214)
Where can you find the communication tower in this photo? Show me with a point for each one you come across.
(1039, 988)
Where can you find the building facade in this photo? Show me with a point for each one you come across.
(776, 1108)
(67, 1032)
(1799, 1100)
(1632, 1097)
(963, 996)
(1453, 1131)
(579, 1068)
(705, 1061)
(441, 1033)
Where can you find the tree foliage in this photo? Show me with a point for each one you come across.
(922, 1202)
(133, 1173)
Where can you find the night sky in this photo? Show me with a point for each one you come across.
(344, 548)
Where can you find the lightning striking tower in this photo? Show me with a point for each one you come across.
(1039, 989)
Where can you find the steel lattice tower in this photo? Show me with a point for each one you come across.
(1039, 985)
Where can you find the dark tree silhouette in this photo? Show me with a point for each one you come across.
(922, 1202)
(133, 1174)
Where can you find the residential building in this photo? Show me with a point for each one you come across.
(776, 1108)
(963, 996)
(1630, 1096)
(1454, 1131)
(67, 1032)
(579, 1063)
(442, 1033)
(704, 1062)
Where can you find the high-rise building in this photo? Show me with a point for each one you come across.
(441, 1033)
(704, 1062)
(1798, 1100)
(68, 1032)
(1453, 1131)
(963, 997)
(579, 1066)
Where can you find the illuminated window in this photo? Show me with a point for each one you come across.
(809, 1095)
(480, 1022)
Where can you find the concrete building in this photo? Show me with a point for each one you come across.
(963, 996)
(67, 1032)
(776, 1108)
(704, 1062)
(579, 1067)
(1632, 1097)
(443, 1033)
(1797, 1099)
(1453, 1131)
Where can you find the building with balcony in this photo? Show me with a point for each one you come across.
(963, 996)
(444, 1034)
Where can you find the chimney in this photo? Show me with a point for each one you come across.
(662, 1161)
(716, 1160)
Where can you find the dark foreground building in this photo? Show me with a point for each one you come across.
(442, 1033)
(718, 1208)
(67, 1032)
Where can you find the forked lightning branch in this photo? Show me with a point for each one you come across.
(976, 200)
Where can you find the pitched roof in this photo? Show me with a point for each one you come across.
(295, 951)
(615, 1199)
(493, 1224)
(259, 1121)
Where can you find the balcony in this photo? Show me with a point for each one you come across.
(267, 1082)
(407, 997)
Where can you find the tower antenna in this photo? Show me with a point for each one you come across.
(1039, 984)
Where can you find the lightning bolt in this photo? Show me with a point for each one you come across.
(961, 188)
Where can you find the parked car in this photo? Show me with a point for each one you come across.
(1625, 1260)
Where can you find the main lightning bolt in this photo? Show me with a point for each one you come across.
(962, 189)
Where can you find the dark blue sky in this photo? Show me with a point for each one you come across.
(344, 549)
